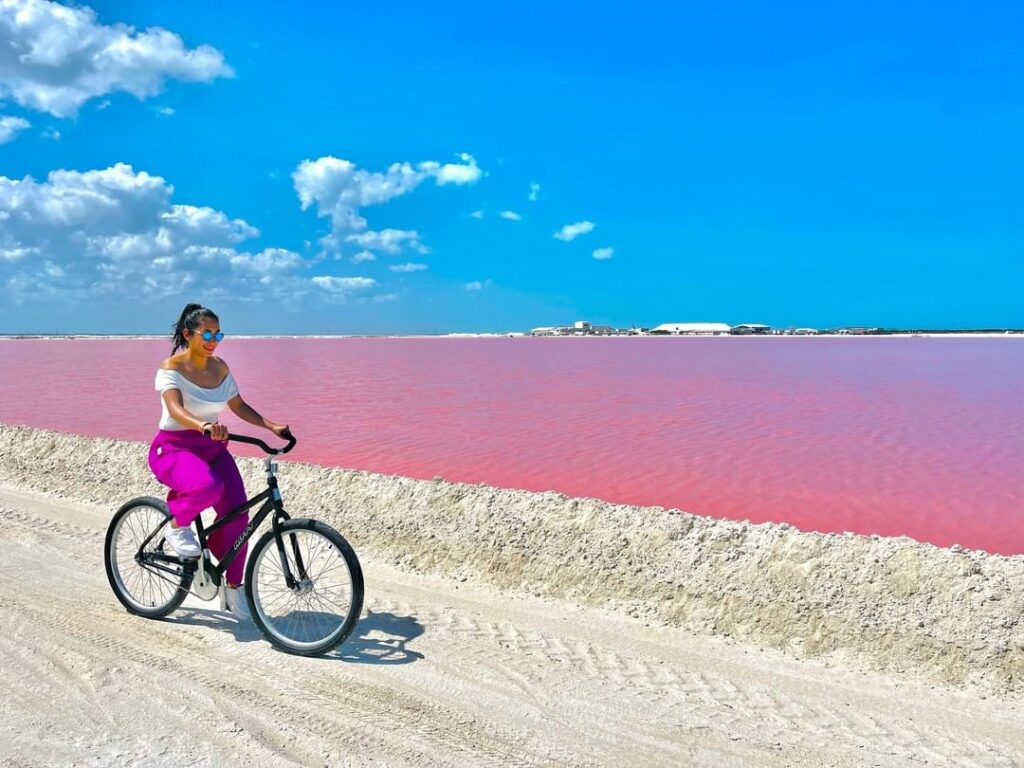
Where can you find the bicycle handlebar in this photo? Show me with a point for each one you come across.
(256, 441)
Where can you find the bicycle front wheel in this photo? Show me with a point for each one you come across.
(320, 610)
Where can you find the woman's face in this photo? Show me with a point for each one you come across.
(197, 344)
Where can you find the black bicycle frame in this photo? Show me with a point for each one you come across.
(270, 504)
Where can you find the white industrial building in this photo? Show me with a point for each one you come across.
(691, 329)
(579, 328)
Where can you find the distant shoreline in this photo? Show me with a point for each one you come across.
(518, 335)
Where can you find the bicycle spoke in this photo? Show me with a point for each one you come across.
(330, 565)
(327, 594)
(320, 600)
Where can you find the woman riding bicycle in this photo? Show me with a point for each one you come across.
(194, 387)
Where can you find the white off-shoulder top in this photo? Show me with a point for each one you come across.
(202, 402)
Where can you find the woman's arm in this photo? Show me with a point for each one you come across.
(245, 412)
(176, 407)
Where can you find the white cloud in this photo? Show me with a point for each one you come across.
(343, 284)
(467, 172)
(572, 231)
(209, 226)
(267, 261)
(477, 215)
(52, 134)
(339, 189)
(603, 253)
(511, 216)
(165, 111)
(409, 267)
(476, 285)
(363, 256)
(389, 240)
(82, 235)
(109, 201)
(16, 254)
(534, 190)
(9, 127)
(54, 58)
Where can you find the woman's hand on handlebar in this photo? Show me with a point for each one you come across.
(279, 429)
(216, 431)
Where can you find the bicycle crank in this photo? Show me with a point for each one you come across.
(204, 585)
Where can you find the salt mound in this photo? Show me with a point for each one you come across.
(952, 615)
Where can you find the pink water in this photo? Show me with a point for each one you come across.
(915, 436)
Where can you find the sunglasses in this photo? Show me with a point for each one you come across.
(210, 335)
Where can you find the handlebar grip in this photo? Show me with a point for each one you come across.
(291, 441)
(263, 445)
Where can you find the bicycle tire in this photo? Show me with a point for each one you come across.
(151, 595)
(260, 588)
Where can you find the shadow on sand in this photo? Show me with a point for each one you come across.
(379, 638)
(244, 632)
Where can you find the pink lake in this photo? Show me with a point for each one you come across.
(897, 436)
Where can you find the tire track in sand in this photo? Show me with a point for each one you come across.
(304, 714)
(685, 695)
(277, 705)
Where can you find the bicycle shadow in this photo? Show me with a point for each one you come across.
(381, 638)
(244, 631)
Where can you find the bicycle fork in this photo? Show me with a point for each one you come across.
(293, 583)
(280, 516)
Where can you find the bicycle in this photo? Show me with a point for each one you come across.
(303, 581)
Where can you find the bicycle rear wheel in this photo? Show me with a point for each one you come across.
(147, 587)
(322, 609)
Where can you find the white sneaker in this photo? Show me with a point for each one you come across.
(182, 541)
(232, 599)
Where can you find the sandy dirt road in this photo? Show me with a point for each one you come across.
(439, 672)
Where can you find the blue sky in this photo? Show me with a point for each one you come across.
(791, 164)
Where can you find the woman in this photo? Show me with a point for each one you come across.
(195, 386)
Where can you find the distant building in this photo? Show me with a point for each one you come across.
(750, 329)
(585, 328)
(579, 328)
(691, 329)
(856, 331)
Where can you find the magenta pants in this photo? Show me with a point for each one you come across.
(201, 473)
